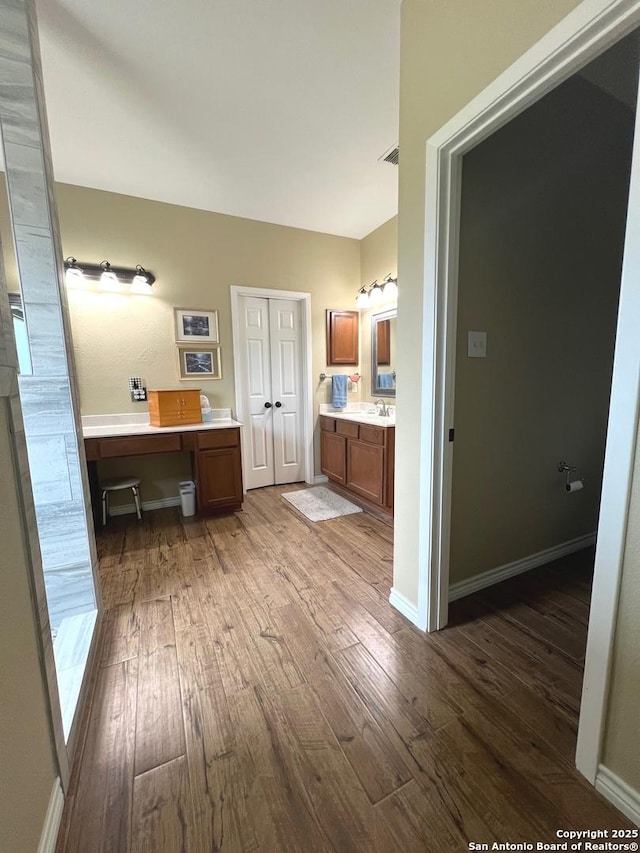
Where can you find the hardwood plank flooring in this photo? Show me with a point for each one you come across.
(256, 692)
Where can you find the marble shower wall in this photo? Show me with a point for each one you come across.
(48, 397)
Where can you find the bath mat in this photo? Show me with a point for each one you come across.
(320, 504)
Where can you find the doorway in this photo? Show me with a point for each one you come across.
(272, 358)
(582, 35)
(542, 224)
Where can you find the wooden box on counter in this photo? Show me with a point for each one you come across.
(174, 408)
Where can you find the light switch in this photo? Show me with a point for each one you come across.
(477, 345)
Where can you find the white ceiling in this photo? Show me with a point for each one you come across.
(275, 110)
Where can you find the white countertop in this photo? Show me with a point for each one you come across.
(361, 413)
(107, 426)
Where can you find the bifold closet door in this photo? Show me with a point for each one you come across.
(286, 387)
(271, 365)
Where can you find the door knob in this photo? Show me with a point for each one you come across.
(267, 405)
(278, 404)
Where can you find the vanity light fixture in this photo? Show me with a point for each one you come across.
(377, 292)
(138, 279)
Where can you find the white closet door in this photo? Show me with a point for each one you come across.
(256, 367)
(286, 379)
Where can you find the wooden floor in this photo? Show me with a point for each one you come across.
(257, 692)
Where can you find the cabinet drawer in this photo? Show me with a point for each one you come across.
(328, 424)
(348, 428)
(213, 438)
(139, 445)
(372, 434)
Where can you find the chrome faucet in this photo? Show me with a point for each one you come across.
(384, 411)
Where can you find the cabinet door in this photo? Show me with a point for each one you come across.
(219, 479)
(343, 341)
(365, 470)
(333, 456)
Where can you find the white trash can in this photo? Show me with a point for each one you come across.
(188, 497)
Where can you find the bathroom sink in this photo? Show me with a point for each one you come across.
(368, 418)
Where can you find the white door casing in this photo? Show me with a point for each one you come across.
(591, 28)
(284, 326)
(304, 464)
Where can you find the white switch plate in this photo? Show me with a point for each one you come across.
(477, 345)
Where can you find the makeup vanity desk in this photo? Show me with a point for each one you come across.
(216, 460)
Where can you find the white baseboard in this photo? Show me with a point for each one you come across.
(320, 478)
(466, 587)
(52, 820)
(402, 603)
(126, 509)
(623, 796)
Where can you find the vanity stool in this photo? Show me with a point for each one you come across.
(114, 486)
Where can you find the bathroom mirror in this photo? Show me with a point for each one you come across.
(383, 354)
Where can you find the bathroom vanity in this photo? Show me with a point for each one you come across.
(357, 453)
(214, 449)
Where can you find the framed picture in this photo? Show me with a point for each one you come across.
(196, 327)
(199, 363)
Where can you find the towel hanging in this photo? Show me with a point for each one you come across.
(339, 390)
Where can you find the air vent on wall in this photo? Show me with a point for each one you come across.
(392, 156)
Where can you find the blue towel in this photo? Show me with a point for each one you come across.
(386, 380)
(339, 391)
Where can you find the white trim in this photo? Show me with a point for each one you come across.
(51, 825)
(127, 509)
(320, 478)
(406, 607)
(584, 33)
(617, 791)
(236, 292)
(460, 589)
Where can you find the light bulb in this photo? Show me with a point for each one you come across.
(391, 289)
(74, 277)
(376, 295)
(140, 285)
(109, 280)
(362, 299)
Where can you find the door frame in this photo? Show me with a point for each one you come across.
(587, 31)
(237, 291)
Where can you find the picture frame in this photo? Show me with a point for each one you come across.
(194, 326)
(199, 362)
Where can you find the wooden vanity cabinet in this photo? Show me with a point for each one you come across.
(343, 337)
(219, 471)
(216, 462)
(359, 457)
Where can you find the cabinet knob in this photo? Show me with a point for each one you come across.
(267, 405)
(278, 405)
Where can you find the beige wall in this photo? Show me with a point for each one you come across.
(450, 51)
(379, 258)
(621, 737)
(196, 256)
(541, 241)
(27, 768)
